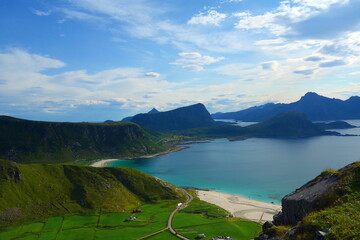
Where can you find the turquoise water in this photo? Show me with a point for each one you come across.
(261, 169)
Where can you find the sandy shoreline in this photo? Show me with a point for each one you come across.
(240, 206)
(104, 162)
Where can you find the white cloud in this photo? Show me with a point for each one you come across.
(212, 17)
(269, 42)
(95, 102)
(41, 13)
(79, 15)
(18, 60)
(281, 21)
(24, 82)
(271, 65)
(152, 74)
(194, 61)
(354, 73)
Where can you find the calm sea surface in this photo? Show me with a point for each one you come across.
(261, 169)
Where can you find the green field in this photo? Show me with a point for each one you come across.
(96, 226)
(201, 217)
(213, 221)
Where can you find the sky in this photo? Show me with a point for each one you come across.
(94, 60)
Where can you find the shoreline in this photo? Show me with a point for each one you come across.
(240, 206)
(104, 162)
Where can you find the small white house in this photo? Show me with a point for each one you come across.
(200, 235)
(179, 204)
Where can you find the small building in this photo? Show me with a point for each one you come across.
(200, 235)
(179, 204)
(138, 210)
(131, 218)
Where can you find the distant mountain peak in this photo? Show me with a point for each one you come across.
(310, 95)
(192, 116)
(153, 111)
(315, 106)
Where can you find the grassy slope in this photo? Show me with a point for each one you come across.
(212, 221)
(33, 141)
(342, 216)
(41, 190)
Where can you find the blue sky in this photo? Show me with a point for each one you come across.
(92, 60)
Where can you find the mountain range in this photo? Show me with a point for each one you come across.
(316, 108)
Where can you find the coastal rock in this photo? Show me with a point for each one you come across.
(266, 237)
(292, 232)
(267, 225)
(310, 197)
(321, 235)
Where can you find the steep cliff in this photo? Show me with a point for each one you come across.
(33, 141)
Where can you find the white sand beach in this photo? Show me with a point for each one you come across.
(102, 163)
(240, 206)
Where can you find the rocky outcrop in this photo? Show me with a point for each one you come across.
(311, 197)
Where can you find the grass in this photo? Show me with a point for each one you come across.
(77, 221)
(164, 236)
(213, 221)
(53, 224)
(210, 210)
(32, 191)
(153, 218)
(93, 226)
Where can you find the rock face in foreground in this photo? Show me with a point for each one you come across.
(311, 197)
(193, 116)
(324, 208)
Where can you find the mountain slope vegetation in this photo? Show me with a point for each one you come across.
(41, 190)
(33, 141)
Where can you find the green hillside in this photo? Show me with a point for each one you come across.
(50, 142)
(40, 190)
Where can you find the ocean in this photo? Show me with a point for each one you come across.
(256, 168)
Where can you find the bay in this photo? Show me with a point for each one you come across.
(257, 168)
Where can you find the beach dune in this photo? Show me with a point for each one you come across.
(240, 206)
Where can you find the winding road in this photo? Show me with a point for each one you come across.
(171, 217)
